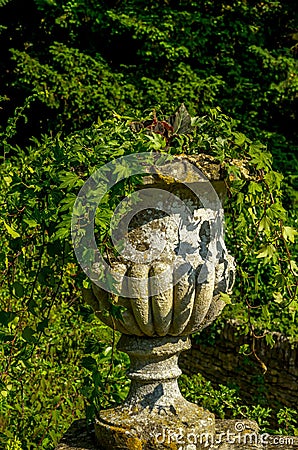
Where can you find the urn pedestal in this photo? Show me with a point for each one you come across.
(154, 415)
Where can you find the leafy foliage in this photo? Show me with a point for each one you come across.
(99, 89)
(4, 2)
(224, 401)
(198, 53)
(66, 65)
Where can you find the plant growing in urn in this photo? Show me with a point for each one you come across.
(168, 274)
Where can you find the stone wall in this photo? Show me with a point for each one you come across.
(220, 362)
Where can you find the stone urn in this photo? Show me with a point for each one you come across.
(171, 269)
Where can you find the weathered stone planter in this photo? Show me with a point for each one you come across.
(170, 297)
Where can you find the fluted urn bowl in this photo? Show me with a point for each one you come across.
(181, 309)
(174, 263)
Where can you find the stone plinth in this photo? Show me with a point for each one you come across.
(154, 403)
(226, 438)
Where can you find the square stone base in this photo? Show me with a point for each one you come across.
(230, 435)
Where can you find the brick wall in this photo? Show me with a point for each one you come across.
(220, 362)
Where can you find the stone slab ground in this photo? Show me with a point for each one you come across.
(79, 438)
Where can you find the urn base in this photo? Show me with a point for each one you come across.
(172, 427)
(154, 415)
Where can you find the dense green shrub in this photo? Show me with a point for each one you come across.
(86, 58)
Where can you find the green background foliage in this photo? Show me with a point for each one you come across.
(73, 76)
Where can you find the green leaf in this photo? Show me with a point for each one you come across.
(8, 180)
(294, 266)
(89, 363)
(269, 339)
(226, 298)
(62, 231)
(260, 156)
(68, 202)
(244, 349)
(69, 180)
(265, 224)
(265, 312)
(30, 222)
(123, 169)
(4, 2)
(278, 298)
(267, 251)
(180, 120)
(158, 142)
(18, 289)
(274, 179)
(108, 350)
(254, 187)
(87, 313)
(42, 325)
(28, 335)
(289, 233)
(240, 138)
(7, 317)
(276, 211)
(116, 311)
(14, 234)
